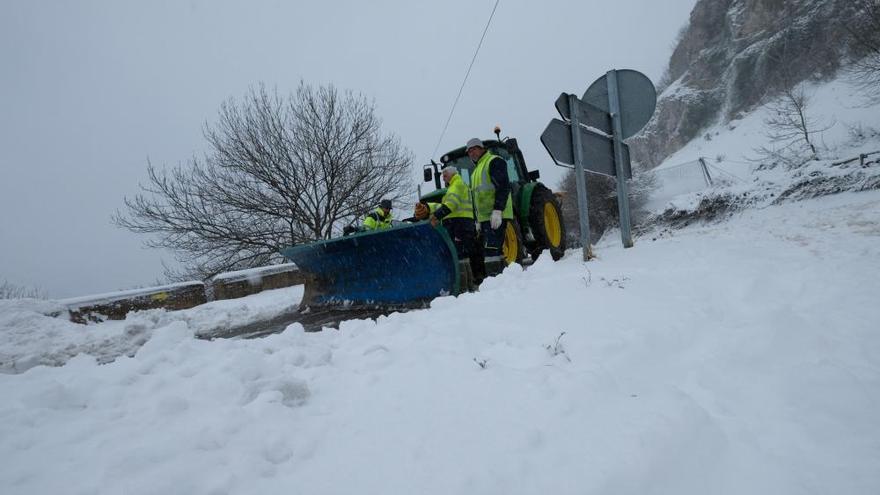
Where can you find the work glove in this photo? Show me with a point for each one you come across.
(495, 219)
(421, 212)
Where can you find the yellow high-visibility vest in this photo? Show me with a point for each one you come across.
(484, 190)
(377, 220)
(458, 199)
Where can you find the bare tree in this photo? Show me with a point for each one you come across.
(789, 126)
(280, 171)
(790, 130)
(601, 205)
(864, 35)
(12, 291)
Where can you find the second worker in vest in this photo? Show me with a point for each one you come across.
(380, 218)
(456, 211)
(494, 206)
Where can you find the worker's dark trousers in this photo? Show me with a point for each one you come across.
(463, 235)
(492, 240)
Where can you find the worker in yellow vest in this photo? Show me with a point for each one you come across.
(380, 218)
(492, 197)
(456, 211)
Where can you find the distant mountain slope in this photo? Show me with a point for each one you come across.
(733, 54)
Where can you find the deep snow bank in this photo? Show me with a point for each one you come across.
(740, 357)
(35, 332)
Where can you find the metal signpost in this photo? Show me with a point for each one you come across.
(580, 179)
(622, 189)
(614, 107)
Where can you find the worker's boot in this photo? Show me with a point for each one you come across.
(466, 276)
(478, 269)
(495, 265)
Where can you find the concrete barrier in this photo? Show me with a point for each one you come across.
(242, 283)
(184, 295)
(115, 305)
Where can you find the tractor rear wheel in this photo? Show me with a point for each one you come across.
(513, 249)
(545, 219)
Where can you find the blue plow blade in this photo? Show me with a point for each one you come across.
(400, 266)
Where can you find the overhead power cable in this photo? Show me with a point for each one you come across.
(455, 103)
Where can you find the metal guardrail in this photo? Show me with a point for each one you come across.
(862, 159)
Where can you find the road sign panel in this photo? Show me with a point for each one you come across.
(598, 150)
(589, 115)
(637, 95)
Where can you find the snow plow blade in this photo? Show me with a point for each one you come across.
(401, 266)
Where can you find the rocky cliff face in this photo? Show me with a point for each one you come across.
(736, 53)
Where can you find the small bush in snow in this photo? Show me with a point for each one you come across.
(12, 291)
(602, 198)
(615, 282)
(557, 349)
(588, 278)
(859, 133)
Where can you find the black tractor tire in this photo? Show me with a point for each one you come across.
(548, 227)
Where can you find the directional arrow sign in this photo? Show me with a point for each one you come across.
(598, 150)
(589, 115)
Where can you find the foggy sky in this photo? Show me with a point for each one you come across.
(91, 90)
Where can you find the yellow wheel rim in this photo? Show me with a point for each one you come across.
(510, 248)
(552, 228)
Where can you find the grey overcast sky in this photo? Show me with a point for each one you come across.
(91, 89)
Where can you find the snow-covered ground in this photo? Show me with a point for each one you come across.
(727, 358)
(28, 337)
(741, 357)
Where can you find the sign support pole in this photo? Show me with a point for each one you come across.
(622, 188)
(706, 172)
(580, 178)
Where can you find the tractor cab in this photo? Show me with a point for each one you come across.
(508, 150)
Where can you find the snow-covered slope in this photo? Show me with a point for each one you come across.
(739, 357)
(845, 126)
(849, 125)
(30, 336)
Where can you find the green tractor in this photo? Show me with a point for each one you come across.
(413, 262)
(537, 224)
